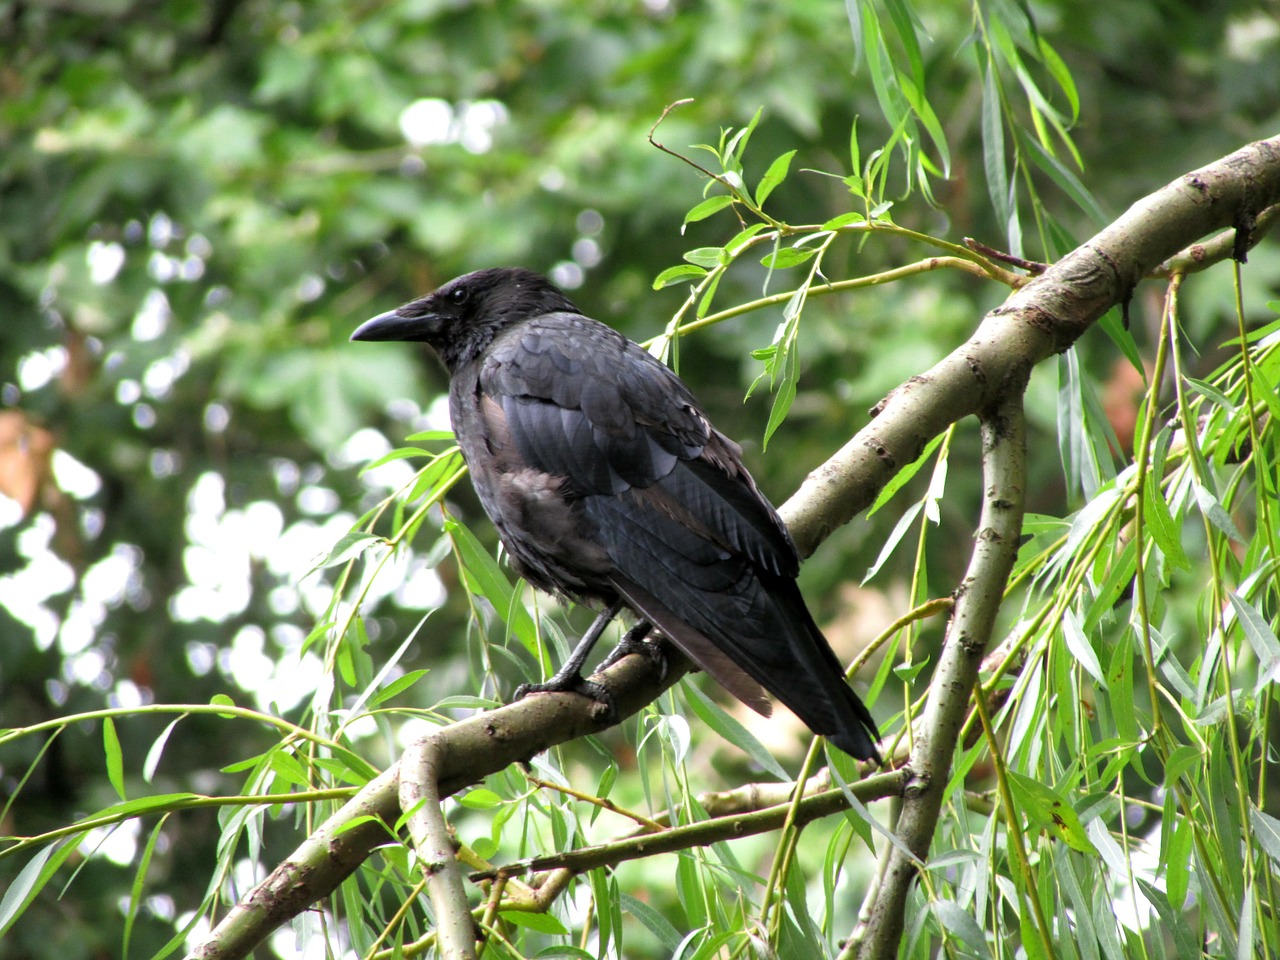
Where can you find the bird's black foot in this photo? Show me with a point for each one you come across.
(633, 641)
(574, 682)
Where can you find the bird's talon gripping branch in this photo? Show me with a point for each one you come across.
(633, 641)
(573, 684)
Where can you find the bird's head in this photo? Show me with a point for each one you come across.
(462, 317)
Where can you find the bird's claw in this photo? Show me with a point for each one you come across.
(573, 683)
(652, 650)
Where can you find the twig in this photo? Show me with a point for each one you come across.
(1033, 267)
(679, 156)
(703, 833)
(1201, 256)
(602, 802)
(1013, 823)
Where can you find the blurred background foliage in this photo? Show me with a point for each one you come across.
(199, 202)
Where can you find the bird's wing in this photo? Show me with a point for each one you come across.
(582, 402)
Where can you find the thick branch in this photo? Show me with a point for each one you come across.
(1040, 319)
(420, 772)
(476, 747)
(978, 602)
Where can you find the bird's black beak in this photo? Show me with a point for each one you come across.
(391, 326)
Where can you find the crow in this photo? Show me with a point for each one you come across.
(608, 485)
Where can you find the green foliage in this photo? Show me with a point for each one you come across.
(204, 647)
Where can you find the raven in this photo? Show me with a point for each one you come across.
(607, 484)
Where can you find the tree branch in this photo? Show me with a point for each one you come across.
(706, 832)
(477, 746)
(978, 602)
(420, 770)
(1040, 319)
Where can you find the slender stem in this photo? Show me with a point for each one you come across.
(1013, 822)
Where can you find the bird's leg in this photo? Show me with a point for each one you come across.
(633, 641)
(569, 679)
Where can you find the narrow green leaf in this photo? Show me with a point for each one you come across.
(400, 453)
(397, 686)
(706, 208)
(1064, 178)
(1120, 683)
(705, 256)
(905, 474)
(959, 921)
(675, 274)
(742, 236)
(1246, 949)
(1162, 525)
(157, 749)
(883, 79)
(783, 398)
(424, 435)
(776, 173)
(481, 798)
(1061, 74)
(1177, 862)
(1180, 760)
(1261, 637)
(349, 546)
(1112, 323)
(895, 536)
(905, 22)
(844, 220)
(354, 822)
(785, 257)
(139, 884)
(288, 769)
(1264, 331)
(27, 884)
(1050, 812)
(731, 730)
(993, 149)
(433, 479)
(1266, 830)
(345, 661)
(1081, 648)
(924, 111)
(115, 758)
(708, 294)
(492, 584)
(1214, 512)
(1085, 937)
(737, 144)
(539, 922)
(1212, 393)
(656, 923)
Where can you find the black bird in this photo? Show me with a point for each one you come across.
(608, 484)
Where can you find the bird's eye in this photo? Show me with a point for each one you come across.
(459, 295)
